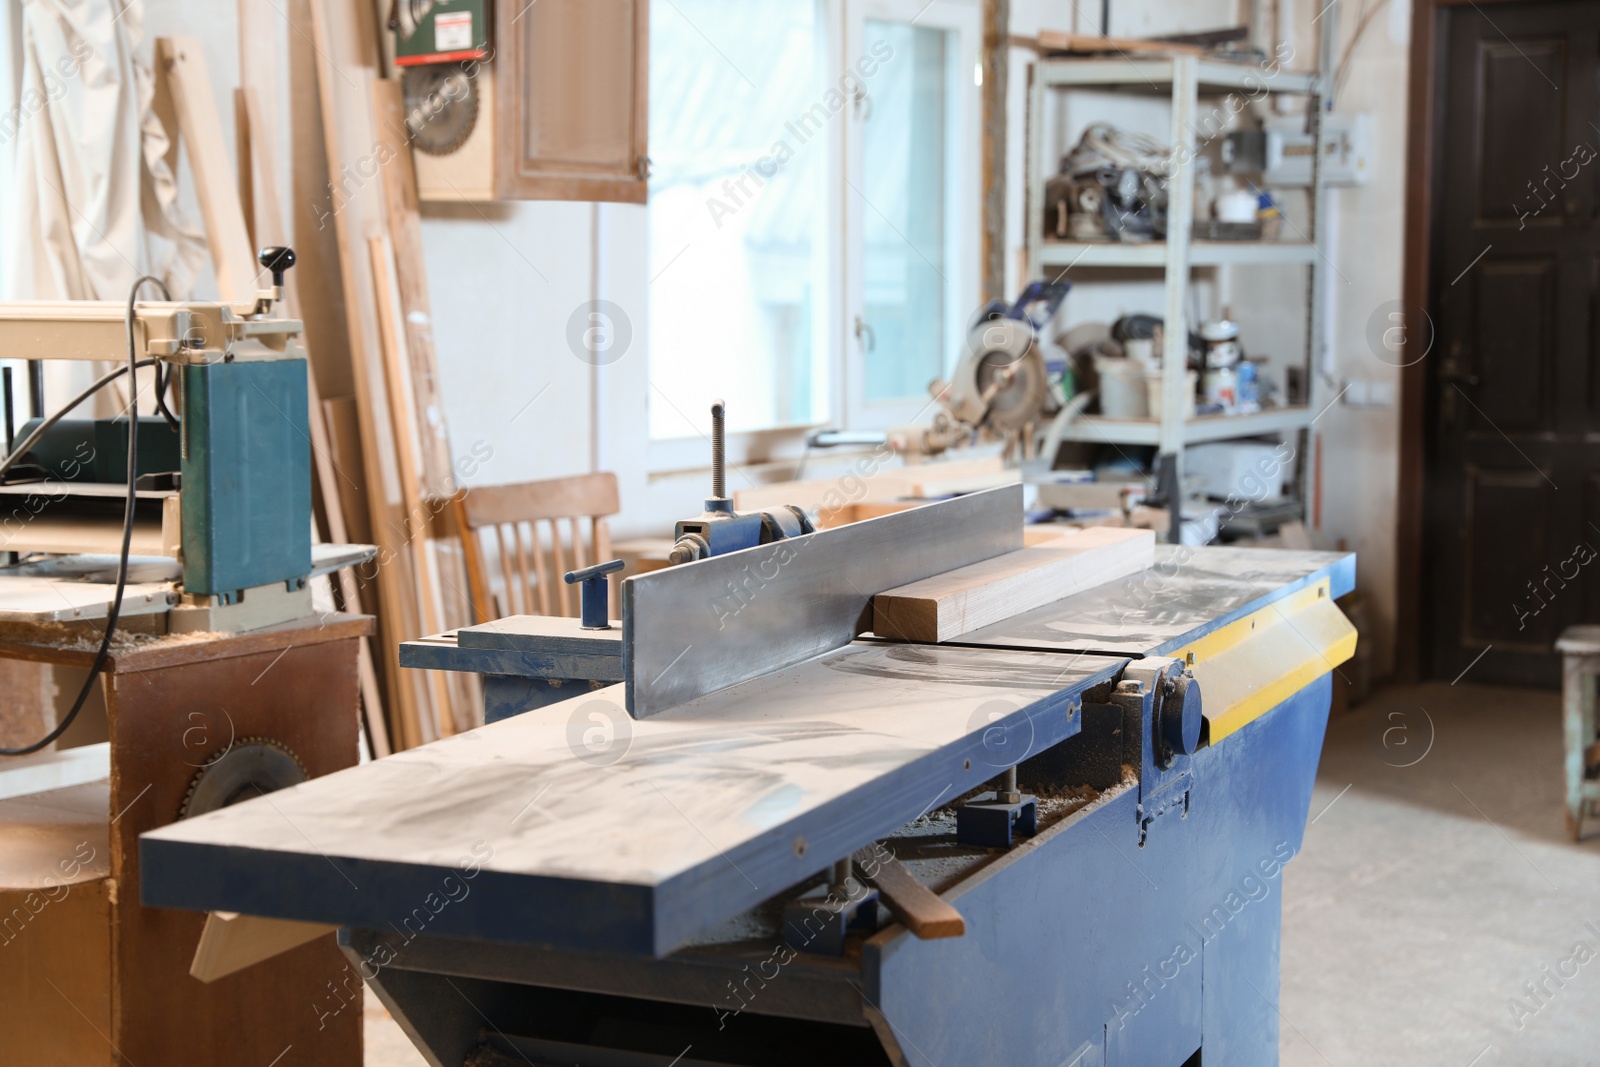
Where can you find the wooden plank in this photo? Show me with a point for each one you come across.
(312, 225)
(181, 61)
(344, 444)
(1093, 43)
(244, 162)
(996, 87)
(949, 605)
(346, 66)
(919, 909)
(437, 477)
(397, 376)
(231, 942)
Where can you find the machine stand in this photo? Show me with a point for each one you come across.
(994, 823)
(820, 920)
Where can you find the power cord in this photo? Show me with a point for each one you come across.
(134, 363)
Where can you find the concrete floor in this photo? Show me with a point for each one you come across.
(1436, 878)
(1426, 895)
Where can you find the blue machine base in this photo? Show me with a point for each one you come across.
(1084, 948)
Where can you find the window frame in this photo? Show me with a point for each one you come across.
(963, 208)
(844, 22)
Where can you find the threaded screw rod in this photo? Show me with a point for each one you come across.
(719, 451)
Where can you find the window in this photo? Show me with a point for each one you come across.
(813, 211)
(738, 215)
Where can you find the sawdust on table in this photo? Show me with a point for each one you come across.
(86, 636)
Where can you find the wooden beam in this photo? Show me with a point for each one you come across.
(919, 909)
(180, 61)
(397, 376)
(244, 162)
(426, 410)
(996, 83)
(966, 599)
(1093, 43)
(346, 67)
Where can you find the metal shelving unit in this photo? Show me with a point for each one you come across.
(1187, 79)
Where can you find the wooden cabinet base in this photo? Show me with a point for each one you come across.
(90, 976)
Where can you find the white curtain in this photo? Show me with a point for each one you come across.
(92, 202)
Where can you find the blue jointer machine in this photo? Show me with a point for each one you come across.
(739, 827)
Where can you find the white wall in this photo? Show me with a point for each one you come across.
(1361, 445)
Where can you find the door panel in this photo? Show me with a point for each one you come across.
(1514, 358)
(1507, 506)
(1514, 422)
(1511, 135)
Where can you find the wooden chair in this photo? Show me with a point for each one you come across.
(521, 526)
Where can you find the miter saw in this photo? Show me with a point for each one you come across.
(1001, 388)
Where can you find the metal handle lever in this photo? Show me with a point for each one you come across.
(596, 593)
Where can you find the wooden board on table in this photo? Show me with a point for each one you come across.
(949, 605)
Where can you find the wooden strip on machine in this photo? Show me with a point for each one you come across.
(946, 606)
(922, 911)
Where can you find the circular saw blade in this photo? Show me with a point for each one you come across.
(441, 102)
(248, 768)
(1010, 372)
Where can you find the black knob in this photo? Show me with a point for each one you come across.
(277, 259)
(1180, 716)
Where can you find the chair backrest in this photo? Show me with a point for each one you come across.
(521, 527)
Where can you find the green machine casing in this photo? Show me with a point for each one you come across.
(448, 31)
(246, 476)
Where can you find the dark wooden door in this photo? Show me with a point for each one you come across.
(1512, 520)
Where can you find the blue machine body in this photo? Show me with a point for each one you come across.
(246, 476)
(1139, 929)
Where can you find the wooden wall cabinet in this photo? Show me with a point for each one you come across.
(563, 108)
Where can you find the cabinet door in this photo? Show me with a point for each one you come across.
(573, 85)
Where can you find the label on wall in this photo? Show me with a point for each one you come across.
(452, 31)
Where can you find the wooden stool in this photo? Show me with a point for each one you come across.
(1580, 647)
(88, 975)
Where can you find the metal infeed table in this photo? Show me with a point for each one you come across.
(573, 885)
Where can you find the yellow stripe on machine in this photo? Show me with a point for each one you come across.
(1250, 666)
